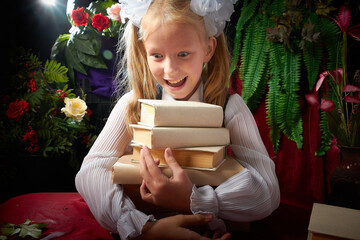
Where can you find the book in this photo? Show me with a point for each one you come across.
(167, 113)
(124, 171)
(179, 137)
(205, 158)
(332, 222)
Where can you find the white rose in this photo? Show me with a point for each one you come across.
(74, 108)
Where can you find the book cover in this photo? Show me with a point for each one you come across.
(180, 113)
(207, 158)
(125, 171)
(179, 137)
(332, 222)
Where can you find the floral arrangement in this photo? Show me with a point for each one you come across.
(38, 116)
(80, 49)
(340, 97)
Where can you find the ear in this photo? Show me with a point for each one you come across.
(210, 49)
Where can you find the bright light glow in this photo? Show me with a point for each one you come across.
(49, 2)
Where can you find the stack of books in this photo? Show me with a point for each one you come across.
(193, 131)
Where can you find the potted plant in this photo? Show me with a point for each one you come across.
(340, 101)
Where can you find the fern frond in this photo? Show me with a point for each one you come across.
(247, 12)
(290, 120)
(55, 72)
(330, 33)
(276, 62)
(254, 56)
(326, 135)
(312, 55)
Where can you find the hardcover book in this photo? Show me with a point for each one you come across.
(180, 113)
(125, 171)
(179, 137)
(205, 158)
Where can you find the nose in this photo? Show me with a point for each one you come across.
(171, 67)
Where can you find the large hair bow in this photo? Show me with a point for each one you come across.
(215, 12)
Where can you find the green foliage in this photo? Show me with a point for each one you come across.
(326, 135)
(280, 42)
(38, 126)
(27, 229)
(247, 11)
(80, 49)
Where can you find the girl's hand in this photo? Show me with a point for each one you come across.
(177, 227)
(156, 188)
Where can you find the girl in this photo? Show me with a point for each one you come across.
(176, 49)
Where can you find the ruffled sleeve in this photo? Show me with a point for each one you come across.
(251, 194)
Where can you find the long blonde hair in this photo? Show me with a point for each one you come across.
(135, 72)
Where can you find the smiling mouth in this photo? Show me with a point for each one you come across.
(176, 83)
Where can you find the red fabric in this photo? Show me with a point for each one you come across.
(300, 173)
(65, 213)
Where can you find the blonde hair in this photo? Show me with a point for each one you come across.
(134, 62)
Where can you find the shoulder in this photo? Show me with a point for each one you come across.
(235, 106)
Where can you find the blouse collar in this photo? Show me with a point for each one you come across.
(197, 95)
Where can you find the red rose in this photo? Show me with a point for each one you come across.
(17, 109)
(100, 22)
(80, 17)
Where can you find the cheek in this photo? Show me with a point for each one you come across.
(155, 68)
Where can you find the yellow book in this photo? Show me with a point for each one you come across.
(208, 158)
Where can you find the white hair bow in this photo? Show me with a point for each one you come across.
(215, 12)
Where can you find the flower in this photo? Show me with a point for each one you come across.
(17, 109)
(32, 122)
(74, 108)
(341, 95)
(80, 17)
(31, 140)
(32, 85)
(343, 21)
(114, 12)
(100, 22)
(80, 49)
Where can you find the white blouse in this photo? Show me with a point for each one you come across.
(249, 195)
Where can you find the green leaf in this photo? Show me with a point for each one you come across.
(92, 61)
(290, 120)
(254, 57)
(330, 33)
(273, 96)
(85, 45)
(247, 11)
(7, 229)
(73, 61)
(313, 55)
(55, 72)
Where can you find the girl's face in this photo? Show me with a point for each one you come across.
(176, 55)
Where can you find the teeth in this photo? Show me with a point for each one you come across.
(176, 81)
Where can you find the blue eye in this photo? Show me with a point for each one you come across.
(183, 54)
(156, 55)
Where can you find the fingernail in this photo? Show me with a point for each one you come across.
(169, 152)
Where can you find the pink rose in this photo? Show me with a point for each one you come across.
(114, 12)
